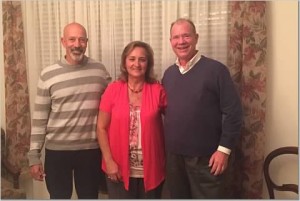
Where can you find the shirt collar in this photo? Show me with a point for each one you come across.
(189, 64)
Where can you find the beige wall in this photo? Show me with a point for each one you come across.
(282, 89)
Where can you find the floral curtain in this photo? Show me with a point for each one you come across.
(247, 52)
(16, 88)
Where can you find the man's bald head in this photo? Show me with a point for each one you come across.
(75, 42)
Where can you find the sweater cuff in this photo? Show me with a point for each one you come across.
(34, 157)
(224, 150)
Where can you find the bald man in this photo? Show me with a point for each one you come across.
(64, 120)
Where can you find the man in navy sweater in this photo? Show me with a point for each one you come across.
(203, 118)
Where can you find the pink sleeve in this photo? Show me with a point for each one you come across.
(163, 100)
(106, 99)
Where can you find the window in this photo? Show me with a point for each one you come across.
(112, 24)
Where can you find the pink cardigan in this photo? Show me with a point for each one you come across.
(115, 101)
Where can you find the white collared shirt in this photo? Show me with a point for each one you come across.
(189, 64)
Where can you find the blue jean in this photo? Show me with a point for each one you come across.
(60, 166)
(190, 178)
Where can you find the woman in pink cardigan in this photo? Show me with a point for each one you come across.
(130, 128)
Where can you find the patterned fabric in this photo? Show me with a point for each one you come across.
(16, 87)
(7, 192)
(134, 127)
(9, 179)
(135, 145)
(247, 52)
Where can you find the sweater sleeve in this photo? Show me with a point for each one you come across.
(40, 117)
(231, 108)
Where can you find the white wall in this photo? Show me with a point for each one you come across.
(282, 90)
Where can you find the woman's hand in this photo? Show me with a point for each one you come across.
(112, 171)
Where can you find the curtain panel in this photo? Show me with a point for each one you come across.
(112, 24)
(247, 63)
(16, 86)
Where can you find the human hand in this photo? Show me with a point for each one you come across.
(37, 172)
(218, 162)
(112, 171)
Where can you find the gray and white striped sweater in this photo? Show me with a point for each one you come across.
(66, 107)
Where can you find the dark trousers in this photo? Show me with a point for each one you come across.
(60, 166)
(190, 178)
(136, 190)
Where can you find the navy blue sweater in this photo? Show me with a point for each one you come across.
(204, 109)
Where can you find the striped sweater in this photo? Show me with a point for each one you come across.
(66, 107)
